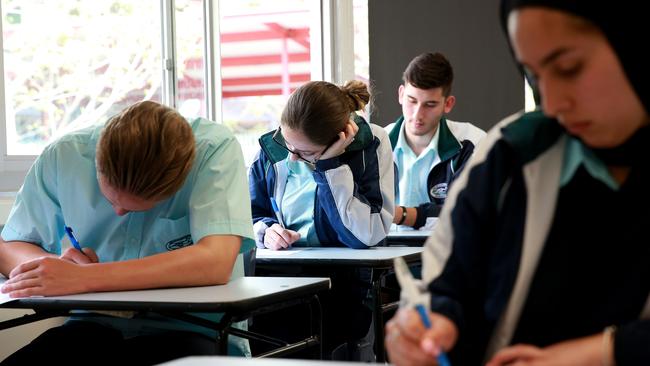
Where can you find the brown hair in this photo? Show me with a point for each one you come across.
(147, 151)
(320, 110)
(430, 71)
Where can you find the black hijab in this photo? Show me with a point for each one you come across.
(624, 24)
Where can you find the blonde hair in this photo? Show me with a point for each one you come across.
(320, 110)
(147, 151)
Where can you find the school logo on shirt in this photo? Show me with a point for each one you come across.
(179, 243)
(439, 191)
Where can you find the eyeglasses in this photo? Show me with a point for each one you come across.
(279, 139)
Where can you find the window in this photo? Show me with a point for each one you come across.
(99, 56)
(265, 55)
(94, 59)
(361, 52)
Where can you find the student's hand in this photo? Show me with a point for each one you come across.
(73, 255)
(345, 139)
(276, 237)
(411, 215)
(408, 342)
(45, 276)
(581, 351)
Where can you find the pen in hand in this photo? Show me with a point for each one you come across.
(411, 292)
(73, 240)
(278, 214)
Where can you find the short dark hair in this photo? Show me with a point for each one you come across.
(321, 110)
(429, 71)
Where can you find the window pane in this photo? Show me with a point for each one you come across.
(190, 56)
(265, 54)
(361, 53)
(68, 64)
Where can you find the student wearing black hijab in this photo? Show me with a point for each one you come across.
(539, 256)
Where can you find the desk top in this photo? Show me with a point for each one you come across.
(242, 361)
(408, 238)
(242, 295)
(410, 233)
(371, 257)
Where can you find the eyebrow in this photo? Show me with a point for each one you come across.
(298, 150)
(553, 56)
(425, 101)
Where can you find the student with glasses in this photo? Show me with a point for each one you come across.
(331, 175)
(329, 171)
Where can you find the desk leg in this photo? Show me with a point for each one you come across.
(222, 335)
(317, 323)
(378, 319)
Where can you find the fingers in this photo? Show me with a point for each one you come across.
(289, 236)
(25, 267)
(277, 237)
(516, 353)
(409, 321)
(273, 240)
(345, 138)
(401, 348)
(91, 255)
(75, 256)
(353, 128)
(22, 288)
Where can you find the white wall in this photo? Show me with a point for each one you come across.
(14, 338)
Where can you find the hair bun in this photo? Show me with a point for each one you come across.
(357, 94)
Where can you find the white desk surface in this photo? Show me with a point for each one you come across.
(242, 361)
(242, 292)
(410, 233)
(338, 256)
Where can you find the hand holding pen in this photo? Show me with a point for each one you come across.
(89, 255)
(416, 336)
(278, 236)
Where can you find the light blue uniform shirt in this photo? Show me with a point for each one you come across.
(576, 154)
(298, 202)
(61, 189)
(413, 171)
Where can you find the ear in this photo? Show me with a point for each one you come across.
(450, 101)
(400, 93)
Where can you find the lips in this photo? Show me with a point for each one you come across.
(577, 127)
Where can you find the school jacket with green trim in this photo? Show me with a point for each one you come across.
(480, 262)
(456, 143)
(354, 201)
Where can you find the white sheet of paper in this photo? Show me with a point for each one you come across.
(280, 253)
(5, 298)
(428, 226)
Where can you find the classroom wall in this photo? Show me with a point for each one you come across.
(487, 85)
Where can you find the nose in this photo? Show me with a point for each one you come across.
(417, 112)
(555, 98)
(120, 211)
(294, 157)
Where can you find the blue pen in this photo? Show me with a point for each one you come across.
(411, 292)
(276, 210)
(73, 240)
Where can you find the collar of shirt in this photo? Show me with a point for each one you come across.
(576, 154)
(299, 168)
(402, 147)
